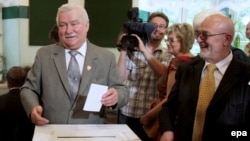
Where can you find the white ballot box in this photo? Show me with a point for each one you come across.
(84, 132)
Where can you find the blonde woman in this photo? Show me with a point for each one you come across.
(180, 39)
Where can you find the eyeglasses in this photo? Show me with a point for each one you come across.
(204, 35)
(161, 26)
(171, 40)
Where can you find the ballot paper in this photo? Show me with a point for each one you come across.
(93, 101)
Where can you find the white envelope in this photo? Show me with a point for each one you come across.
(93, 101)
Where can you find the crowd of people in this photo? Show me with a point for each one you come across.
(140, 71)
(162, 94)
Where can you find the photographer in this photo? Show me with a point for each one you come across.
(140, 70)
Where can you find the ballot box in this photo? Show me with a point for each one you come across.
(84, 132)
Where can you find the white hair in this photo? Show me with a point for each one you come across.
(200, 17)
(70, 6)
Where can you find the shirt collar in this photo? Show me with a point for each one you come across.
(223, 64)
(82, 50)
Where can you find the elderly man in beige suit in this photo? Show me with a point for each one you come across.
(46, 92)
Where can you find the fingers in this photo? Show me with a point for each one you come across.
(110, 98)
(141, 46)
(36, 117)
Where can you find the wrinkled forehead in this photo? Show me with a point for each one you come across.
(210, 24)
(218, 24)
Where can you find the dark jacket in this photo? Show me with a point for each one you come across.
(14, 123)
(228, 111)
(240, 54)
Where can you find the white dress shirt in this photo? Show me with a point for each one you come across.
(221, 69)
(79, 57)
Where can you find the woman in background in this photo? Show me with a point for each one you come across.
(180, 39)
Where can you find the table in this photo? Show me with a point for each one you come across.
(84, 132)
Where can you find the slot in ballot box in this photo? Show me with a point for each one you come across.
(84, 132)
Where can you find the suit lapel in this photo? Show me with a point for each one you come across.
(60, 63)
(197, 70)
(88, 68)
(228, 81)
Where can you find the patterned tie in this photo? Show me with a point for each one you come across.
(207, 89)
(73, 75)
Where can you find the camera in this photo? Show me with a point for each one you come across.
(135, 26)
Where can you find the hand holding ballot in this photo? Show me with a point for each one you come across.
(110, 98)
(100, 95)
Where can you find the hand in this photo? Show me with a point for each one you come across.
(36, 117)
(110, 98)
(119, 44)
(167, 136)
(141, 47)
(144, 120)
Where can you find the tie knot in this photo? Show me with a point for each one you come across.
(211, 67)
(73, 53)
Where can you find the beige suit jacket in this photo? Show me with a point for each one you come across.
(47, 84)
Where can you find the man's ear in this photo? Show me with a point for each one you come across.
(229, 39)
(87, 26)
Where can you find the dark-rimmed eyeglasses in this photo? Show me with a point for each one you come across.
(204, 35)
